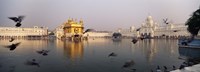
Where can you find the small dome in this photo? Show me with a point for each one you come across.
(149, 18)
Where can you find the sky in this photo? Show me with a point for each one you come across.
(106, 15)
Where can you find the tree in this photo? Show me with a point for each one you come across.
(194, 23)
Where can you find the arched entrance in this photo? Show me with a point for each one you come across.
(76, 37)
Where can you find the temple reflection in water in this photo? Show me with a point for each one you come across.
(70, 49)
(73, 50)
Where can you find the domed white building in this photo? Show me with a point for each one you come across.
(148, 28)
(151, 29)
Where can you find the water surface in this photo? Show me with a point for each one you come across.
(90, 56)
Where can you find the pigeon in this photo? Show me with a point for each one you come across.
(18, 20)
(40, 52)
(173, 68)
(33, 63)
(181, 66)
(11, 40)
(112, 54)
(88, 30)
(165, 69)
(151, 70)
(128, 64)
(13, 46)
(43, 52)
(166, 21)
(134, 40)
(134, 70)
(138, 29)
(185, 64)
(158, 69)
(175, 30)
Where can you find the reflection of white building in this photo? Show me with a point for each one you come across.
(23, 32)
(152, 29)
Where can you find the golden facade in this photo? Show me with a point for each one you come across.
(72, 28)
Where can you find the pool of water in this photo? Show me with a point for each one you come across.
(90, 56)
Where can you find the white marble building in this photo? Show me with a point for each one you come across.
(59, 32)
(6, 32)
(152, 29)
(148, 27)
(127, 32)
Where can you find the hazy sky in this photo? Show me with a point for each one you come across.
(97, 14)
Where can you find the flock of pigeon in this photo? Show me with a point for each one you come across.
(127, 64)
(18, 21)
(13, 46)
(135, 40)
(158, 69)
(130, 63)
